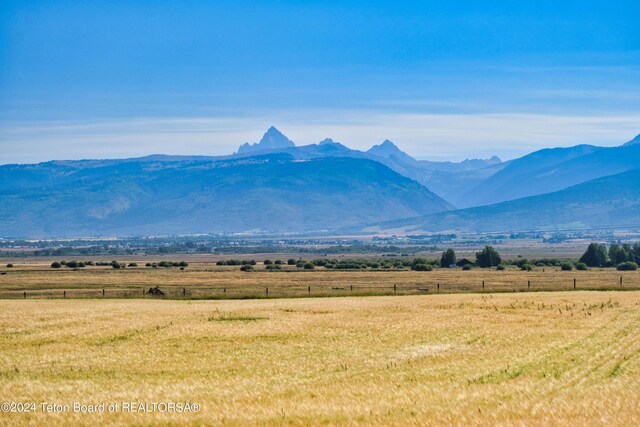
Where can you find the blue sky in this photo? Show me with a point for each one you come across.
(443, 79)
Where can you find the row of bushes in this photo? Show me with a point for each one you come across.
(115, 264)
(167, 264)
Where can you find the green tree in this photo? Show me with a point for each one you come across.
(448, 258)
(619, 254)
(488, 257)
(635, 253)
(56, 265)
(595, 255)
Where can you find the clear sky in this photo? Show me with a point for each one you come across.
(442, 79)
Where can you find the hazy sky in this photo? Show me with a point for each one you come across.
(443, 79)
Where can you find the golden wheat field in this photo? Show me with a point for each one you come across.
(206, 280)
(561, 358)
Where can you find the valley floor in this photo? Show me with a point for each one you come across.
(562, 358)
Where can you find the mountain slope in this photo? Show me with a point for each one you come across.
(608, 201)
(269, 193)
(520, 177)
(635, 140)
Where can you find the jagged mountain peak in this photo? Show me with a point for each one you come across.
(388, 149)
(272, 139)
(327, 141)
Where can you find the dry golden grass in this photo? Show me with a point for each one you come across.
(563, 358)
(205, 280)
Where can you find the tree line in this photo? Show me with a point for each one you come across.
(623, 257)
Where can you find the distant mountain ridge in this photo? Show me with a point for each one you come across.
(550, 170)
(247, 190)
(634, 141)
(273, 192)
(609, 201)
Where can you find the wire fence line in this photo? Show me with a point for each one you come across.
(160, 291)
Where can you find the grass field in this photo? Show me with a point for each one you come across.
(205, 280)
(562, 358)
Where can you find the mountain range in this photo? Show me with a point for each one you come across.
(611, 201)
(276, 186)
(271, 192)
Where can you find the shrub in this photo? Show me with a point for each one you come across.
(56, 264)
(183, 264)
(466, 267)
(9, 265)
(72, 264)
(278, 262)
(115, 264)
(422, 267)
(133, 264)
(627, 266)
(291, 261)
(309, 266)
(246, 267)
(581, 266)
(148, 264)
(526, 267)
(268, 262)
(567, 266)
(500, 267)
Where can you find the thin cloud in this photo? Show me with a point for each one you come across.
(427, 136)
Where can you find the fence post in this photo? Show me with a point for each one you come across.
(103, 293)
(351, 288)
(620, 280)
(309, 290)
(184, 292)
(483, 284)
(574, 283)
(266, 291)
(25, 295)
(528, 284)
(394, 289)
(142, 292)
(64, 294)
(225, 290)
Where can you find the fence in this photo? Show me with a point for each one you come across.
(319, 290)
